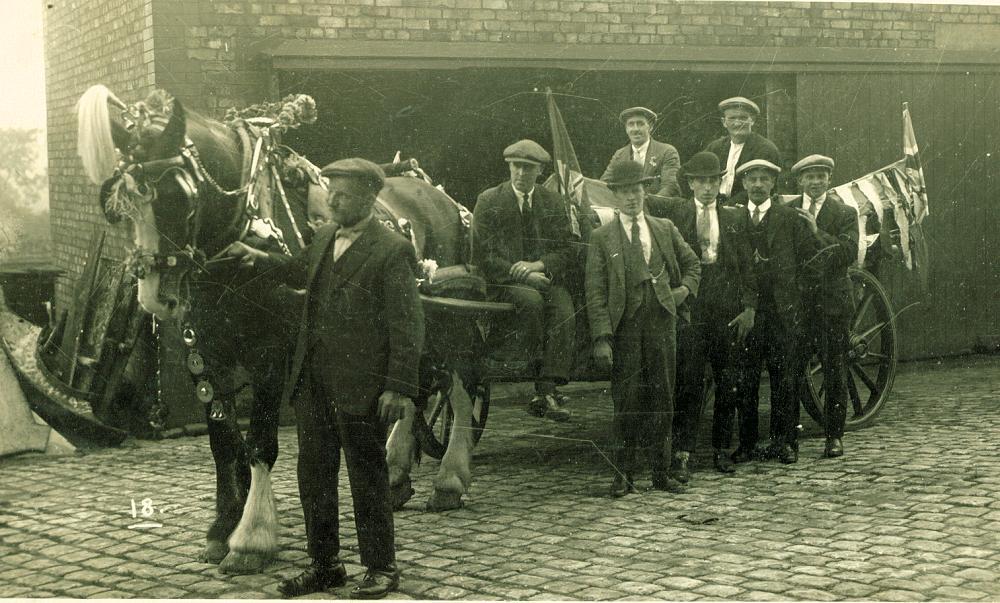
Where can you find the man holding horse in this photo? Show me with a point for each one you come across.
(639, 272)
(521, 242)
(356, 361)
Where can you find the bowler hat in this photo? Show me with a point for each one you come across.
(741, 103)
(356, 167)
(649, 114)
(813, 161)
(626, 172)
(703, 164)
(527, 151)
(757, 163)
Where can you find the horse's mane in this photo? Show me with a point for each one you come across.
(96, 147)
(94, 144)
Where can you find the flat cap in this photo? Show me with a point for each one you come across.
(740, 103)
(356, 167)
(813, 161)
(527, 151)
(625, 172)
(649, 114)
(757, 163)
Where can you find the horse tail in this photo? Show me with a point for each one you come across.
(94, 144)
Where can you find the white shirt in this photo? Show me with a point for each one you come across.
(639, 153)
(807, 203)
(347, 235)
(644, 236)
(710, 252)
(521, 197)
(763, 207)
(730, 176)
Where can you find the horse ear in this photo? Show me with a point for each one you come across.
(175, 132)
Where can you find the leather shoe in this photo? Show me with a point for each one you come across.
(788, 454)
(667, 484)
(834, 448)
(621, 485)
(549, 408)
(679, 469)
(376, 584)
(722, 462)
(319, 577)
(742, 455)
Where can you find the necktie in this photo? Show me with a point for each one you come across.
(637, 241)
(813, 207)
(704, 228)
(527, 224)
(756, 216)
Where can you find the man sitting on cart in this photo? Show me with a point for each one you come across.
(521, 242)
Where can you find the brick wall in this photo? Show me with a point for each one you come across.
(87, 42)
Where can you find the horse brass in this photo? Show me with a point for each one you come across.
(195, 363)
(204, 391)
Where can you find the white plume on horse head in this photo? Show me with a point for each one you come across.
(94, 144)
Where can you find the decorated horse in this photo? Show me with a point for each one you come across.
(191, 186)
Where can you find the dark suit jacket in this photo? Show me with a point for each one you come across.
(605, 283)
(755, 147)
(662, 163)
(498, 240)
(791, 265)
(371, 326)
(838, 244)
(735, 256)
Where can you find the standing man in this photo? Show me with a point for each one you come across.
(721, 315)
(639, 272)
(358, 353)
(521, 242)
(740, 144)
(784, 260)
(660, 161)
(829, 302)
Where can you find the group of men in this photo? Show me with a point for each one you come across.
(725, 276)
(671, 284)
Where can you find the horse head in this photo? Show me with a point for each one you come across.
(175, 175)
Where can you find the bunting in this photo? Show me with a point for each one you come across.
(914, 168)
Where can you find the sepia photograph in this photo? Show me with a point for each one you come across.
(570, 300)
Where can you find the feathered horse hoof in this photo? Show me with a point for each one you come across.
(400, 494)
(245, 562)
(214, 552)
(444, 501)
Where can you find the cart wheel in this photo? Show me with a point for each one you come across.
(871, 355)
(434, 425)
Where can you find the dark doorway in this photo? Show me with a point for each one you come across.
(457, 122)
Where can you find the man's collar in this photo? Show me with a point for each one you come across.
(819, 199)
(766, 205)
(517, 192)
(704, 205)
(641, 148)
(627, 218)
(346, 231)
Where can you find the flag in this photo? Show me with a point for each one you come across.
(567, 175)
(914, 169)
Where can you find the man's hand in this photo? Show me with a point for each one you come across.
(743, 323)
(603, 356)
(680, 294)
(809, 218)
(247, 254)
(538, 281)
(393, 406)
(521, 270)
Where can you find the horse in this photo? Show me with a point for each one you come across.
(191, 186)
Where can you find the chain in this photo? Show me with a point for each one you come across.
(192, 152)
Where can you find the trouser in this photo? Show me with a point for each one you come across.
(707, 339)
(770, 343)
(828, 335)
(323, 432)
(642, 385)
(547, 321)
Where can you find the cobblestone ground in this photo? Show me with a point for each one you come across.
(910, 513)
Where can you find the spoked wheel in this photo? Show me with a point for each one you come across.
(434, 426)
(871, 355)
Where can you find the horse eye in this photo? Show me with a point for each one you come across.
(143, 188)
